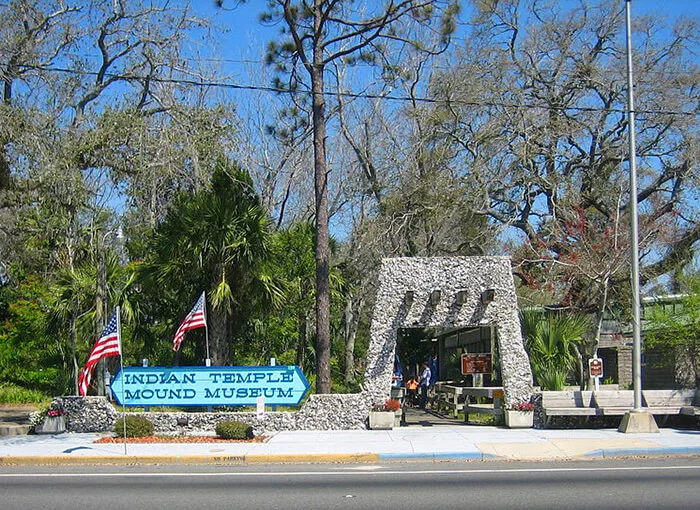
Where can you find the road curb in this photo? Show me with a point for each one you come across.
(435, 456)
(88, 460)
(324, 458)
(645, 452)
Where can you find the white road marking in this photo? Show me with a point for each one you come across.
(348, 472)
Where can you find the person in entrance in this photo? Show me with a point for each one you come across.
(412, 391)
(424, 383)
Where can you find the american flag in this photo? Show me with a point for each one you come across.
(109, 344)
(84, 380)
(195, 319)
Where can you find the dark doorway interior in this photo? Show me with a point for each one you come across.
(609, 357)
(416, 345)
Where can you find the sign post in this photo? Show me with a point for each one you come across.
(260, 409)
(595, 370)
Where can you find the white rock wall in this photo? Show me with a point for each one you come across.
(448, 275)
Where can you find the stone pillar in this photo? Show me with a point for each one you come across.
(624, 367)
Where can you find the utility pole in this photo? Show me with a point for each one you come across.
(637, 420)
(102, 301)
(101, 307)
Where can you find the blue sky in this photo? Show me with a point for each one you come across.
(247, 38)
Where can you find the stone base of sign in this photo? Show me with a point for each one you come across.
(638, 422)
(381, 420)
(519, 419)
(319, 412)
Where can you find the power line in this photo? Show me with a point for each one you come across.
(353, 95)
(434, 66)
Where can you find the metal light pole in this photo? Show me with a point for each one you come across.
(102, 301)
(634, 234)
(637, 420)
(100, 307)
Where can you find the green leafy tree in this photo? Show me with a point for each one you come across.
(535, 112)
(294, 259)
(217, 240)
(78, 307)
(675, 334)
(29, 356)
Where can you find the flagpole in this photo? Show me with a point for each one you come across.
(207, 362)
(121, 367)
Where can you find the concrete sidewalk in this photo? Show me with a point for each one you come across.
(445, 443)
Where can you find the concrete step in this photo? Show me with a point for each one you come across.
(14, 429)
(14, 420)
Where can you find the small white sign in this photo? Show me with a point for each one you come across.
(595, 370)
(261, 407)
(595, 367)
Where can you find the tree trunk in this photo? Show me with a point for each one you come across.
(593, 346)
(218, 345)
(302, 338)
(323, 340)
(351, 320)
(74, 343)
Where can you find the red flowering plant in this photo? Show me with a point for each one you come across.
(53, 411)
(523, 406)
(390, 405)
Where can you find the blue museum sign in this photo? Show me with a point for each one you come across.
(209, 386)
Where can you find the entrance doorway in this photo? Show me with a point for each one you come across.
(417, 345)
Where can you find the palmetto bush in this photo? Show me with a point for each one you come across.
(551, 341)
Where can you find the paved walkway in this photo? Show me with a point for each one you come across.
(446, 443)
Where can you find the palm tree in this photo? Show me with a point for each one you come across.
(74, 302)
(551, 341)
(218, 240)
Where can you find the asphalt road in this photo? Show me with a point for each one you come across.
(638, 484)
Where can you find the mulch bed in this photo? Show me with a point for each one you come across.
(179, 439)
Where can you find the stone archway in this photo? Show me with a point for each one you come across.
(408, 297)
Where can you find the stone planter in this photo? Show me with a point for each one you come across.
(51, 425)
(519, 419)
(398, 418)
(381, 420)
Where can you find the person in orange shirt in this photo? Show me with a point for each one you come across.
(412, 391)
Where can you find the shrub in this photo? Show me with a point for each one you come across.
(136, 426)
(234, 430)
(13, 394)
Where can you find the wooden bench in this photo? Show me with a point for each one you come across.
(668, 402)
(450, 398)
(494, 393)
(613, 403)
(567, 403)
(694, 409)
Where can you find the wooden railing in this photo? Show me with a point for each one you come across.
(467, 399)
